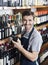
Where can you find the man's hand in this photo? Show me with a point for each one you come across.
(18, 44)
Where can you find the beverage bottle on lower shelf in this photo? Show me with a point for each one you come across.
(11, 56)
(14, 55)
(7, 59)
(7, 48)
(12, 61)
(2, 55)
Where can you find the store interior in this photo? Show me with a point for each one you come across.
(11, 26)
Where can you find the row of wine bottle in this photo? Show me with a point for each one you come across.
(8, 54)
(44, 33)
(10, 31)
(22, 2)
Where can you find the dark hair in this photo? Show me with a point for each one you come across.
(27, 13)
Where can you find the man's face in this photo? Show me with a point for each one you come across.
(28, 22)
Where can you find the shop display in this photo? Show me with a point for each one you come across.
(8, 54)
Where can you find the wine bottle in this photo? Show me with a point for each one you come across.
(1, 54)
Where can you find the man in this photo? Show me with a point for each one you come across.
(31, 41)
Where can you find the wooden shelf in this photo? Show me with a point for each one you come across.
(39, 6)
(41, 26)
(44, 47)
(25, 7)
(17, 63)
(45, 62)
(35, 6)
(4, 41)
(21, 9)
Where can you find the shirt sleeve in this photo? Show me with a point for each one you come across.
(36, 43)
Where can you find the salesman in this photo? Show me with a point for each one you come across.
(31, 41)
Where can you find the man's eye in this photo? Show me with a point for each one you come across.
(29, 20)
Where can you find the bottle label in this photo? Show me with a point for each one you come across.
(4, 60)
(8, 61)
(15, 29)
(4, 0)
(1, 61)
(3, 32)
(7, 32)
(12, 61)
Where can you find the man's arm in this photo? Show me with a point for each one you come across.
(29, 55)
